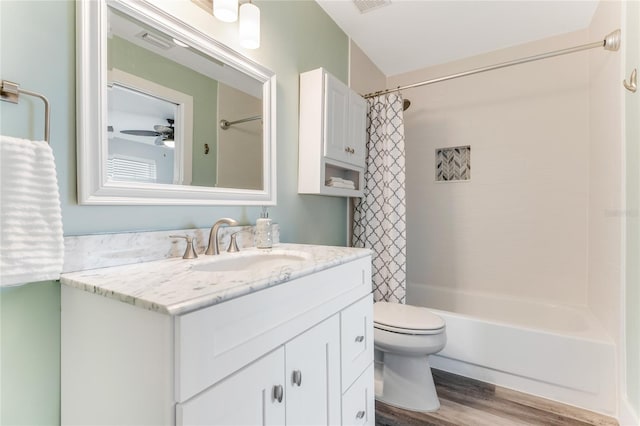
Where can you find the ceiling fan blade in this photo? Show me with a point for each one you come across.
(140, 132)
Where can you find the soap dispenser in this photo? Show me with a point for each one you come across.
(264, 238)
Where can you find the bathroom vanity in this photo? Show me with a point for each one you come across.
(283, 336)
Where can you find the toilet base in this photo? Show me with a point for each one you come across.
(405, 382)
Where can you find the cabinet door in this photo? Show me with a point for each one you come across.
(336, 111)
(313, 375)
(247, 397)
(357, 138)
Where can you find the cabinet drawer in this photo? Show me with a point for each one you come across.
(214, 342)
(356, 338)
(358, 402)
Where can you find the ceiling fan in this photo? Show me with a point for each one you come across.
(161, 132)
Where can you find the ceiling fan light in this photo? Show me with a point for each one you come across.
(249, 26)
(226, 10)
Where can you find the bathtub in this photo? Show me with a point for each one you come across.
(556, 352)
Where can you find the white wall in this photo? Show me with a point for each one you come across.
(364, 76)
(520, 226)
(239, 146)
(606, 174)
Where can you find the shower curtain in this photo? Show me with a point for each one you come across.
(379, 217)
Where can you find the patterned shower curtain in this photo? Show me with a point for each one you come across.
(379, 217)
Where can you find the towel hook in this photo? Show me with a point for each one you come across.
(632, 85)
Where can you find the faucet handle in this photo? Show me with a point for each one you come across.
(233, 244)
(190, 251)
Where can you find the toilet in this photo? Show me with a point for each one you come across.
(404, 337)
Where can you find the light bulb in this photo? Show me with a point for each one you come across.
(226, 10)
(249, 27)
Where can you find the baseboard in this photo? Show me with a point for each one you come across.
(531, 386)
(627, 415)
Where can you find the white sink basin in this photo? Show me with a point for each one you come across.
(255, 260)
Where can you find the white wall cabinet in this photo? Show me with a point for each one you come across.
(332, 135)
(276, 356)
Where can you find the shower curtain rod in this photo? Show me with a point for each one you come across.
(225, 124)
(610, 42)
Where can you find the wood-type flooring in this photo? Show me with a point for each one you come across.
(468, 402)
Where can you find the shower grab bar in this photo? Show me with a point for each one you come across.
(610, 42)
(10, 92)
(225, 124)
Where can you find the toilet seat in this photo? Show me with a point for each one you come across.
(407, 330)
(406, 319)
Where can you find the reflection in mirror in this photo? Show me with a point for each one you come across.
(156, 65)
(168, 115)
(141, 137)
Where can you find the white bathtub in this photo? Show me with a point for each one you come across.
(560, 353)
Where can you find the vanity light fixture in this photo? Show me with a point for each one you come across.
(249, 26)
(155, 40)
(180, 43)
(226, 10)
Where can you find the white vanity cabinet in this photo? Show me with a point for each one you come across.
(300, 352)
(245, 398)
(300, 378)
(332, 134)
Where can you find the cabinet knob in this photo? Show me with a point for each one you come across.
(360, 414)
(278, 393)
(347, 150)
(359, 339)
(296, 377)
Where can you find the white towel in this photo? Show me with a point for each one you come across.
(341, 185)
(338, 182)
(32, 246)
(334, 179)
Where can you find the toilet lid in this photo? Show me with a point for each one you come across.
(405, 317)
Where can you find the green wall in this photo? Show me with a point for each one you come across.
(37, 42)
(135, 60)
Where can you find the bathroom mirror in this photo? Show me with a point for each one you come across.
(168, 115)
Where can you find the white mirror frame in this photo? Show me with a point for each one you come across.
(91, 53)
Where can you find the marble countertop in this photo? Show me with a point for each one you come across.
(176, 286)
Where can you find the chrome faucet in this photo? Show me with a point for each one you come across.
(214, 247)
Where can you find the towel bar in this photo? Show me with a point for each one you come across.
(10, 92)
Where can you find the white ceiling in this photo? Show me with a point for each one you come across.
(411, 34)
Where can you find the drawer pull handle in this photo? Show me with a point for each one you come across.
(359, 339)
(296, 377)
(278, 393)
(360, 414)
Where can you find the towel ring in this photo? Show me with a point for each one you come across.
(10, 92)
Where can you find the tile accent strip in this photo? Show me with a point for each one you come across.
(453, 164)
